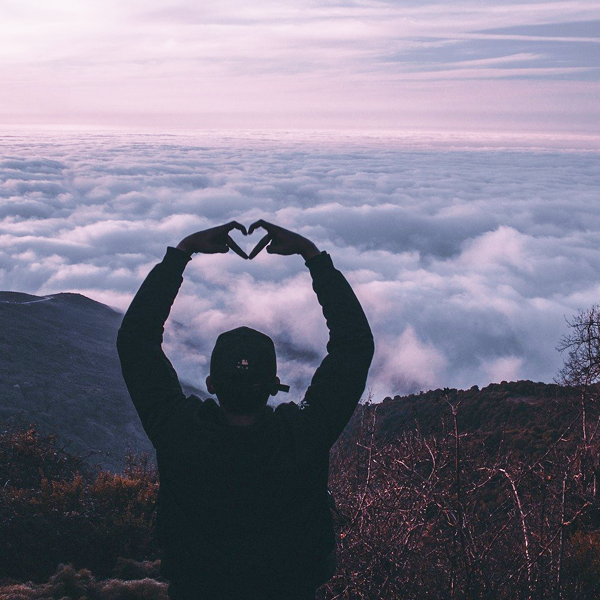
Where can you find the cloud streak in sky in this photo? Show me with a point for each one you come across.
(350, 64)
(466, 260)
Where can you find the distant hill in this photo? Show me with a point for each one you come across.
(526, 416)
(59, 369)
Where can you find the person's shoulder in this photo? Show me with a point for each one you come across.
(289, 409)
(304, 430)
(206, 410)
(284, 407)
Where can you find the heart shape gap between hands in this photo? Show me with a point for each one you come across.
(263, 240)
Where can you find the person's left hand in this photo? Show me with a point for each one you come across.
(213, 241)
(282, 241)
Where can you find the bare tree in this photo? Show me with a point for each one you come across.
(581, 367)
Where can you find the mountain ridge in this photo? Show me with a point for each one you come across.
(59, 370)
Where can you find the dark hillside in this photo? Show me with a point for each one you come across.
(526, 415)
(59, 369)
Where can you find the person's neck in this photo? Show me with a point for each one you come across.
(240, 420)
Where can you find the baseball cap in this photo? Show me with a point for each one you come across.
(244, 356)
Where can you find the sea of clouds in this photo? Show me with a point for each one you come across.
(466, 255)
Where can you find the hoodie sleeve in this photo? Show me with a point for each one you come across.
(340, 380)
(150, 378)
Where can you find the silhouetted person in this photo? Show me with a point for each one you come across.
(243, 507)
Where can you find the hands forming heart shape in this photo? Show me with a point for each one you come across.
(277, 241)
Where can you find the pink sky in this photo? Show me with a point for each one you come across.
(473, 66)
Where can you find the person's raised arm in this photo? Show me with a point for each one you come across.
(151, 380)
(340, 380)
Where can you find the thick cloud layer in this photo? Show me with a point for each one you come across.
(466, 259)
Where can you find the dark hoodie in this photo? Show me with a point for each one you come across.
(244, 508)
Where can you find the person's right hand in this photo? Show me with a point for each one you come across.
(282, 241)
(213, 241)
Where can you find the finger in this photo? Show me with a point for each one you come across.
(236, 225)
(261, 223)
(236, 248)
(260, 245)
(275, 249)
(254, 226)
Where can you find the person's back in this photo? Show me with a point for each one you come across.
(241, 495)
(243, 510)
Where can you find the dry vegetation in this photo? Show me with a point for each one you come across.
(442, 517)
(54, 509)
(436, 516)
(69, 583)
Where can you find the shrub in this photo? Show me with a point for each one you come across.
(69, 584)
(54, 509)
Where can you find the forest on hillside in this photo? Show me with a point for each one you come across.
(449, 494)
